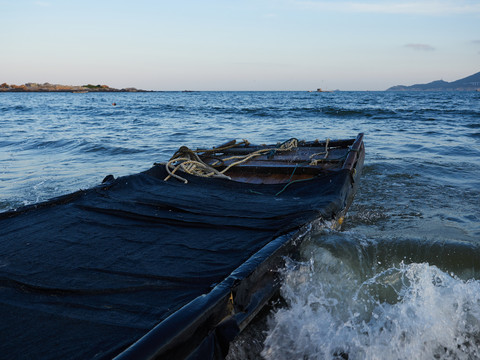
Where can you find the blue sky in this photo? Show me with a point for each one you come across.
(239, 44)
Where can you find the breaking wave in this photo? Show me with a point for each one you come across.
(339, 308)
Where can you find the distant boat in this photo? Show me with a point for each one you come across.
(319, 90)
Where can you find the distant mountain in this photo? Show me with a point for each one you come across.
(470, 83)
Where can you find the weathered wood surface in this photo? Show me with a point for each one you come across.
(285, 166)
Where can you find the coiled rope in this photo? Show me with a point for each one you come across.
(189, 162)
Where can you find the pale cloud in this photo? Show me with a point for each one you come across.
(420, 47)
(423, 7)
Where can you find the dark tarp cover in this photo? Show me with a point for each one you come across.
(88, 274)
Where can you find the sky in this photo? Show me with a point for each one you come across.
(239, 44)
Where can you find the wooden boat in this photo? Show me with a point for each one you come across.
(170, 263)
(286, 162)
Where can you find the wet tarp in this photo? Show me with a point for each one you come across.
(86, 275)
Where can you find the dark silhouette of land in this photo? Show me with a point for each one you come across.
(46, 87)
(470, 83)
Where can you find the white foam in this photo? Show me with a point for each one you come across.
(409, 311)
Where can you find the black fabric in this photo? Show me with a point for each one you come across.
(86, 275)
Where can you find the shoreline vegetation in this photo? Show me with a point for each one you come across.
(47, 87)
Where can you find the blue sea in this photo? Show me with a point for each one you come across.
(400, 280)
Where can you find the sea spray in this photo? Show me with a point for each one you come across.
(334, 310)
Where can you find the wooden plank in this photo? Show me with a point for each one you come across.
(262, 170)
(315, 147)
(269, 178)
(294, 156)
(353, 153)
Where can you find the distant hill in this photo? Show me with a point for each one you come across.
(47, 87)
(470, 83)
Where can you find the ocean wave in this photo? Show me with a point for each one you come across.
(15, 108)
(65, 144)
(105, 149)
(475, 135)
(473, 126)
(78, 146)
(303, 112)
(354, 305)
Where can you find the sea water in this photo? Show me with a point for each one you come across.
(400, 280)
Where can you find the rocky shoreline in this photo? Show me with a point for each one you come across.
(47, 87)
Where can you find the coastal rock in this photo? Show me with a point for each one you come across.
(47, 87)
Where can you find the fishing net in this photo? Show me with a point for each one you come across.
(87, 274)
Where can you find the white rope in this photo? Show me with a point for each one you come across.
(189, 162)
